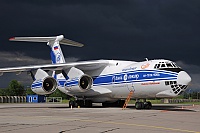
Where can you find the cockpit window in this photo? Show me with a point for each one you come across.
(175, 64)
(166, 65)
(169, 65)
(158, 66)
(163, 65)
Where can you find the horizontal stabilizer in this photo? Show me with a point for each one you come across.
(59, 39)
(70, 42)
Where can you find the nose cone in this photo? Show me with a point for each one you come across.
(183, 78)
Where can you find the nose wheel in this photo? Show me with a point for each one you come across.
(143, 105)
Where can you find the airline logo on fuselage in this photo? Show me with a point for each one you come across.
(129, 69)
(145, 65)
(126, 77)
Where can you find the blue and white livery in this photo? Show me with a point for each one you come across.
(104, 81)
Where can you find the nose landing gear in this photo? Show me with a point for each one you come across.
(143, 105)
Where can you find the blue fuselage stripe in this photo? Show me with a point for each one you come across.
(126, 77)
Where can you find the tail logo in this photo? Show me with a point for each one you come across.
(58, 57)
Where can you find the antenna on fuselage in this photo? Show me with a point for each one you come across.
(146, 59)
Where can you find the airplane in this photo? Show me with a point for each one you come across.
(103, 81)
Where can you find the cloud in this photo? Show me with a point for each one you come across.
(19, 59)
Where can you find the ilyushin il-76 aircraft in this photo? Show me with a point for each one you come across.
(103, 81)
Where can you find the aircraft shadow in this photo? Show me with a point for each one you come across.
(155, 107)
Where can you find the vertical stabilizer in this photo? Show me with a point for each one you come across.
(54, 43)
(56, 52)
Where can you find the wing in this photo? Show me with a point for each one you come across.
(84, 65)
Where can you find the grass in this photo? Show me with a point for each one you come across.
(65, 101)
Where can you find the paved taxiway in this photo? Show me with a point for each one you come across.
(58, 118)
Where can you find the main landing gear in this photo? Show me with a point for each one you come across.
(143, 105)
(81, 103)
(88, 103)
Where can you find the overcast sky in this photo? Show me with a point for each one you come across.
(110, 29)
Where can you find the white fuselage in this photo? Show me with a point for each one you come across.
(116, 80)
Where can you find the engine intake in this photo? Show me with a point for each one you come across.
(85, 82)
(81, 84)
(44, 86)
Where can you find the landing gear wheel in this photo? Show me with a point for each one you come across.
(143, 105)
(139, 105)
(147, 105)
(72, 104)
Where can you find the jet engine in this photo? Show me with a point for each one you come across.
(80, 84)
(46, 85)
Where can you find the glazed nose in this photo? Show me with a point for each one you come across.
(183, 78)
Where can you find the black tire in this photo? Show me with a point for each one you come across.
(72, 103)
(88, 103)
(137, 105)
(142, 105)
(149, 105)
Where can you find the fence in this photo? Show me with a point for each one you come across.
(12, 99)
(179, 100)
(22, 99)
(53, 99)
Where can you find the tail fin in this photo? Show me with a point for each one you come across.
(54, 43)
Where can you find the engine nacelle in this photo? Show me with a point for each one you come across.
(44, 86)
(81, 84)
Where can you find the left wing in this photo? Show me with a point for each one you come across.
(84, 65)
